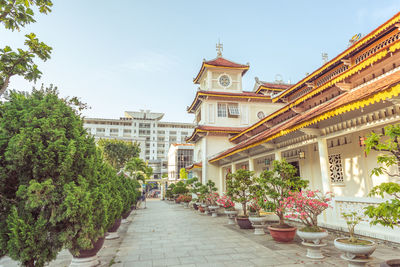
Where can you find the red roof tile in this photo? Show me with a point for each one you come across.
(222, 62)
(276, 85)
(341, 100)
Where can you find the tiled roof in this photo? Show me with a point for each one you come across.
(351, 49)
(222, 62)
(220, 129)
(276, 85)
(214, 129)
(341, 100)
(194, 165)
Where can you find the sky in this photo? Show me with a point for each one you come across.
(129, 55)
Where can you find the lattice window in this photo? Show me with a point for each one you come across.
(336, 169)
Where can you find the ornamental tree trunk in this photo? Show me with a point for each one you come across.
(244, 207)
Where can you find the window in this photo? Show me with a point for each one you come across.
(222, 112)
(336, 169)
(233, 109)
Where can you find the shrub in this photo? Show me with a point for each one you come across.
(49, 171)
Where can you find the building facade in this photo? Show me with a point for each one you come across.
(146, 128)
(318, 125)
(179, 156)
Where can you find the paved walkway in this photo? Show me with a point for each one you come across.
(166, 234)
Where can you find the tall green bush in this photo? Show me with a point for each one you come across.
(48, 169)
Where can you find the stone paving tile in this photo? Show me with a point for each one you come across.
(166, 234)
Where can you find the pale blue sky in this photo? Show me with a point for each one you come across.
(131, 55)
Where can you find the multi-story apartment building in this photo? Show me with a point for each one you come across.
(146, 128)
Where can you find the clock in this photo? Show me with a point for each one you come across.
(224, 80)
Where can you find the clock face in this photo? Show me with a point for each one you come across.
(224, 80)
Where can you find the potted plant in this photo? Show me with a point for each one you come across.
(354, 247)
(239, 185)
(213, 206)
(386, 213)
(186, 199)
(306, 206)
(273, 186)
(229, 208)
(257, 221)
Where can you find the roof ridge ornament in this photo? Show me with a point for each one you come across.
(219, 48)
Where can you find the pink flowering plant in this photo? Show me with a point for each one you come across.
(254, 207)
(306, 206)
(212, 199)
(226, 202)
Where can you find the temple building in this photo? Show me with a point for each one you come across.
(317, 124)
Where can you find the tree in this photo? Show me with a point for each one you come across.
(48, 167)
(274, 186)
(138, 169)
(118, 152)
(239, 185)
(388, 212)
(15, 14)
(183, 174)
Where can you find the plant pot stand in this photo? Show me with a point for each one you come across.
(231, 216)
(259, 224)
(314, 250)
(84, 262)
(357, 261)
(213, 210)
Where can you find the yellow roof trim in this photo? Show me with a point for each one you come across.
(365, 39)
(356, 68)
(268, 88)
(388, 93)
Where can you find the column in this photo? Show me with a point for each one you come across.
(204, 161)
(221, 181)
(233, 168)
(251, 164)
(278, 155)
(324, 164)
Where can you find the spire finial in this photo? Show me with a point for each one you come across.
(220, 48)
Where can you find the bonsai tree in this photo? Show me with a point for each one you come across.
(239, 187)
(388, 212)
(180, 188)
(352, 219)
(306, 206)
(274, 186)
(49, 168)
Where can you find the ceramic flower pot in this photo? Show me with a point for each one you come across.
(244, 222)
(258, 223)
(112, 231)
(354, 250)
(283, 235)
(88, 257)
(391, 263)
(213, 210)
(314, 237)
(231, 215)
